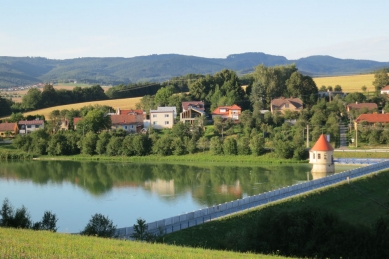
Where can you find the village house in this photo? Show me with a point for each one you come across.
(190, 115)
(233, 112)
(8, 129)
(359, 106)
(282, 104)
(198, 105)
(63, 125)
(372, 119)
(131, 123)
(76, 120)
(385, 90)
(26, 127)
(161, 118)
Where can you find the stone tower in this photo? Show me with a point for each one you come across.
(321, 156)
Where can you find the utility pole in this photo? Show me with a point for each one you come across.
(356, 134)
(307, 136)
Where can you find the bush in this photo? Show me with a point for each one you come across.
(100, 226)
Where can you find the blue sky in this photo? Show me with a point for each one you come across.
(213, 28)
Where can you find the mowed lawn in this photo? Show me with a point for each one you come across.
(127, 103)
(18, 243)
(349, 84)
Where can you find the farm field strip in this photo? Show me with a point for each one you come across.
(349, 84)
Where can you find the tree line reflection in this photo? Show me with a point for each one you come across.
(208, 185)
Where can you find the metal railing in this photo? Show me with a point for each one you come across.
(198, 217)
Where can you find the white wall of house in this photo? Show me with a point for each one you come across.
(161, 119)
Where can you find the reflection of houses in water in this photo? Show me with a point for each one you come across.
(162, 187)
(235, 190)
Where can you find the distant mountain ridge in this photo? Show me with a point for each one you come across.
(17, 71)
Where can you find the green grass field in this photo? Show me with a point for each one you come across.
(361, 202)
(17, 243)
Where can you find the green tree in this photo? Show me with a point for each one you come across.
(257, 144)
(5, 107)
(49, 96)
(338, 88)
(163, 146)
(141, 232)
(203, 143)
(88, 143)
(32, 100)
(114, 147)
(99, 225)
(230, 146)
(96, 120)
(16, 117)
(48, 222)
(355, 97)
(146, 103)
(102, 142)
(216, 146)
(381, 79)
(163, 94)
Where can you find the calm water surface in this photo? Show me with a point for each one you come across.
(74, 191)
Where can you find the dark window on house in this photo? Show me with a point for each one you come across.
(318, 156)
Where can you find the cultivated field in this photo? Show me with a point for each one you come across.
(127, 103)
(349, 84)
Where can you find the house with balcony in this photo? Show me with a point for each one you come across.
(26, 127)
(190, 115)
(198, 105)
(233, 112)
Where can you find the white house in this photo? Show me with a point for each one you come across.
(30, 126)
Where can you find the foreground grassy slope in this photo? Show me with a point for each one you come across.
(17, 243)
(349, 84)
(361, 202)
(127, 103)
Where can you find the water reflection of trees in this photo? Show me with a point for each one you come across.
(207, 184)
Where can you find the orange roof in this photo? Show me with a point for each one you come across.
(76, 120)
(322, 144)
(373, 118)
(218, 112)
(126, 112)
(123, 119)
(8, 126)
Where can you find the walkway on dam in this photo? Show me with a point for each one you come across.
(198, 217)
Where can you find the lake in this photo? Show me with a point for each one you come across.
(75, 191)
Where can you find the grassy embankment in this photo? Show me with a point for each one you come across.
(361, 202)
(17, 243)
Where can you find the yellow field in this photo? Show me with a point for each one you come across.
(127, 103)
(349, 84)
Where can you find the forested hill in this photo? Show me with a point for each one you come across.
(17, 71)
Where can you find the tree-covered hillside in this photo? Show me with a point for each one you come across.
(18, 71)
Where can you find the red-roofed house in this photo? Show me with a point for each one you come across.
(131, 112)
(358, 106)
(30, 126)
(76, 120)
(130, 123)
(8, 129)
(321, 156)
(282, 104)
(233, 112)
(372, 119)
(385, 90)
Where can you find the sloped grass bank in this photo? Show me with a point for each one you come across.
(359, 205)
(17, 243)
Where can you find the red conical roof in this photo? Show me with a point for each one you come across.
(322, 144)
